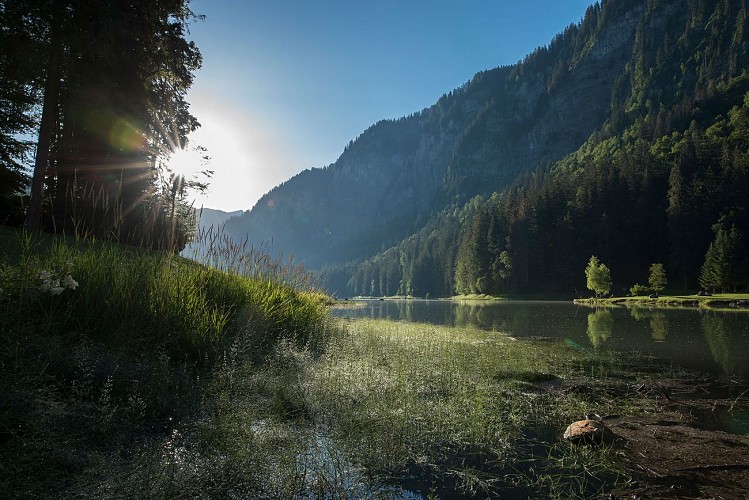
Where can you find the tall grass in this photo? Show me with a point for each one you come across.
(150, 300)
(119, 365)
(219, 250)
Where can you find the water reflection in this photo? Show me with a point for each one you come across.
(657, 320)
(714, 341)
(482, 315)
(659, 327)
(600, 326)
(727, 348)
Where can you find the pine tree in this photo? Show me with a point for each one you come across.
(115, 77)
(657, 279)
(473, 268)
(19, 85)
(723, 261)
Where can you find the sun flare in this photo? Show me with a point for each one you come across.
(188, 162)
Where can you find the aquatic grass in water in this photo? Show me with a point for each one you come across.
(460, 408)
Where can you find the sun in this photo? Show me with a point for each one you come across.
(188, 162)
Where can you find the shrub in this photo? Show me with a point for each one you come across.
(638, 290)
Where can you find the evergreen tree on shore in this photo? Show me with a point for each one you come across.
(657, 279)
(724, 261)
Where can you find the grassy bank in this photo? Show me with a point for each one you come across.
(117, 365)
(460, 411)
(718, 300)
(477, 296)
(454, 412)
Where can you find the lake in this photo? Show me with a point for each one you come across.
(715, 342)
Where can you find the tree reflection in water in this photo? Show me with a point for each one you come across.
(600, 324)
(659, 326)
(727, 350)
(658, 322)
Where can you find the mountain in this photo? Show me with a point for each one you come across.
(474, 139)
(207, 217)
(522, 138)
(209, 230)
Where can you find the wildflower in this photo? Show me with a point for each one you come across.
(51, 283)
(69, 282)
(48, 282)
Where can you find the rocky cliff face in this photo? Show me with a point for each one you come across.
(474, 140)
(546, 107)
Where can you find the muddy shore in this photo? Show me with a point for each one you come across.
(696, 446)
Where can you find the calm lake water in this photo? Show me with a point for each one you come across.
(710, 341)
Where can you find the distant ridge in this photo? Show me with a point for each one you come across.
(207, 217)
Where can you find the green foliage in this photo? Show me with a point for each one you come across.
(725, 261)
(18, 47)
(638, 290)
(152, 300)
(103, 87)
(425, 262)
(472, 273)
(598, 277)
(657, 279)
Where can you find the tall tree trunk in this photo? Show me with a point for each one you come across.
(47, 125)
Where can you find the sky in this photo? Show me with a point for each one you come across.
(286, 84)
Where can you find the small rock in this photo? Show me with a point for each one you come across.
(588, 431)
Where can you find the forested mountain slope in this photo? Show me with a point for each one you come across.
(663, 177)
(623, 138)
(475, 139)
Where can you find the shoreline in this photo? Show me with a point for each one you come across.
(734, 301)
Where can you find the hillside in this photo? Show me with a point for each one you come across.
(207, 217)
